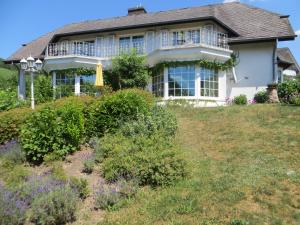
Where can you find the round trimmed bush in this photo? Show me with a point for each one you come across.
(240, 100)
(261, 97)
(106, 114)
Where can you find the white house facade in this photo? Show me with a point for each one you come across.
(209, 33)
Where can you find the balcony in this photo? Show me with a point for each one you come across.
(163, 45)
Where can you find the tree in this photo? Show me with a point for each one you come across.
(128, 71)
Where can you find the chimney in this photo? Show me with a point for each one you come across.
(136, 10)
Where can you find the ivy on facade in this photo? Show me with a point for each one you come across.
(78, 71)
(214, 65)
(230, 63)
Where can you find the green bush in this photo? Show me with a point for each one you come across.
(112, 196)
(9, 100)
(288, 89)
(240, 100)
(12, 153)
(88, 165)
(151, 160)
(10, 123)
(158, 120)
(51, 130)
(261, 97)
(80, 186)
(129, 70)
(55, 207)
(12, 120)
(295, 100)
(106, 114)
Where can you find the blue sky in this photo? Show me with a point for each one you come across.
(23, 21)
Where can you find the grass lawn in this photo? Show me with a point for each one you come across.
(244, 165)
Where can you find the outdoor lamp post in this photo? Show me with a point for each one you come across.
(30, 66)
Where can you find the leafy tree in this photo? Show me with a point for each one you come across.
(128, 71)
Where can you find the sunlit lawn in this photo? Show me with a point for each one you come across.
(244, 165)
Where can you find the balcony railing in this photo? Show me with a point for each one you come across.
(107, 48)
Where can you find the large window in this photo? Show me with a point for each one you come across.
(209, 83)
(181, 81)
(65, 85)
(135, 42)
(158, 84)
(138, 44)
(124, 44)
(87, 85)
(186, 37)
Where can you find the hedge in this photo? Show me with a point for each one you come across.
(11, 121)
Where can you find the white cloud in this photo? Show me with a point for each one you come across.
(228, 1)
(298, 32)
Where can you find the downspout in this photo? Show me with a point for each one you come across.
(275, 61)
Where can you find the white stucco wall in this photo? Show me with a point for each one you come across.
(254, 70)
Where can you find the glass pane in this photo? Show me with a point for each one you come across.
(192, 84)
(177, 92)
(138, 44)
(191, 92)
(184, 84)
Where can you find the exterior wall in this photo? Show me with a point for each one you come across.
(254, 70)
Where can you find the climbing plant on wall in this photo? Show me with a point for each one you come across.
(201, 62)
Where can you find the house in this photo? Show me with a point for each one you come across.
(288, 67)
(183, 40)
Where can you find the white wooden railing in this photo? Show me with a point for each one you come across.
(108, 47)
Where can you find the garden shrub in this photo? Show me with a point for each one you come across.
(80, 186)
(12, 120)
(12, 208)
(151, 160)
(287, 89)
(54, 207)
(158, 120)
(111, 196)
(10, 123)
(9, 100)
(88, 165)
(52, 130)
(240, 100)
(12, 153)
(295, 100)
(261, 97)
(106, 114)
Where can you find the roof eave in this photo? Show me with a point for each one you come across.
(234, 33)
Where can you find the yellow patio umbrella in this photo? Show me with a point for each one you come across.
(99, 76)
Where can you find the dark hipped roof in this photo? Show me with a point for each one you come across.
(285, 57)
(247, 23)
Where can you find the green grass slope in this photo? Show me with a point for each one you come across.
(244, 167)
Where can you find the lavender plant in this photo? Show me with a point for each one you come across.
(112, 195)
(12, 207)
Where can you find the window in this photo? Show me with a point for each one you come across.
(138, 44)
(182, 37)
(181, 81)
(158, 84)
(87, 84)
(209, 83)
(65, 85)
(178, 38)
(194, 36)
(124, 44)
